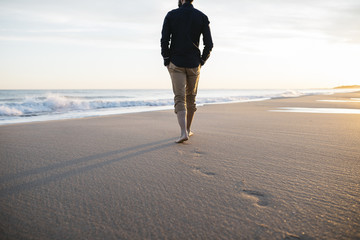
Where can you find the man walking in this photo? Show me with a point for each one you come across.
(182, 29)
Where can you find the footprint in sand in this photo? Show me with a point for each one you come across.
(197, 153)
(260, 198)
(203, 172)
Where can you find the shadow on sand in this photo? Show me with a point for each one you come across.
(129, 153)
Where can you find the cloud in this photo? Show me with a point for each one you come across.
(345, 24)
(111, 23)
(243, 25)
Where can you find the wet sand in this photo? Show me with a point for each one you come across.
(247, 173)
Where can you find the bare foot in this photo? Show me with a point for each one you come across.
(183, 138)
(190, 133)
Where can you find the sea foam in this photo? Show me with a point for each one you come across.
(8, 111)
(29, 105)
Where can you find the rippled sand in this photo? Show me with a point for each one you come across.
(247, 173)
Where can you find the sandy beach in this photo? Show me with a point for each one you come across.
(248, 173)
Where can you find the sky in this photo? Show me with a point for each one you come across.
(115, 44)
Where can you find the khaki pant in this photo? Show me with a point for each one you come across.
(185, 83)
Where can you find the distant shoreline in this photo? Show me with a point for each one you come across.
(347, 87)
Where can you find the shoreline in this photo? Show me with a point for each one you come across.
(247, 173)
(115, 112)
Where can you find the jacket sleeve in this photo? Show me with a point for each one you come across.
(165, 40)
(208, 43)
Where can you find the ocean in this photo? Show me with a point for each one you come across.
(21, 106)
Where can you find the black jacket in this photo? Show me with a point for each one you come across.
(182, 29)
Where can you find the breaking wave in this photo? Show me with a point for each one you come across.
(61, 104)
